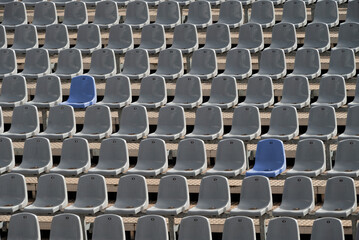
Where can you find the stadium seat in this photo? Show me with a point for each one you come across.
(309, 158)
(295, 12)
(231, 13)
(13, 195)
(173, 196)
(120, 38)
(170, 64)
(132, 195)
(69, 64)
(204, 64)
(66, 226)
(24, 225)
(91, 195)
(108, 226)
(295, 92)
(151, 227)
(32, 3)
(168, 14)
(238, 64)
(48, 92)
(348, 36)
(352, 15)
(61, 3)
(246, 123)
(153, 38)
(75, 157)
(51, 195)
(297, 199)
(188, 92)
(56, 38)
(259, 92)
(214, 197)
(185, 38)
(7, 156)
(351, 125)
(75, 14)
(103, 64)
(272, 64)
(25, 38)
(256, 197)
(106, 14)
(332, 92)
(307, 63)
(45, 14)
(88, 38)
(171, 123)
(137, 14)
(346, 156)
(194, 227)
(326, 11)
(8, 65)
(263, 13)
(153, 92)
(239, 226)
(270, 158)
(136, 64)
(191, 158)
(3, 39)
(14, 15)
(284, 37)
(61, 123)
(322, 123)
(200, 14)
(317, 36)
(251, 37)
(13, 91)
(356, 97)
(82, 92)
(224, 92)
(327, 229)
(342, 62)
(283, 228)
(218, 38)
(37, 63)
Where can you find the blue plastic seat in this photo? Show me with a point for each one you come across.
(270, 159)
(82, 92)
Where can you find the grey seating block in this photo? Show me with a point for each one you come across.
(24, 226)
(348, 36)
(272, 63)
(45, 14)
(352, 12)
(14, 15)
(317, 36)
(283, 228)
(263, 13)
(151, 227)
(231, 13)
(351, 127)
(356, 97)
(295, 12)
(251, 37)
(66, 226)
(13, 91)
(170, 64)
(168, 14)
(13, 196)
(120, 38)
(239, 226)
(88, 38)
(195, 227)
(295, 92)
(307, 63)
(185, 38)
(327, 228)
(200, 14)
(137, 14)
(75, 14)
(106, 14)
(218, 38)
(153, 38)
(69, 64)
(342, 62)
(204, 64)
(326, 11)
(238, 64)
(332, 92)
(259, 92)
(25, 38)
(284, 37)
(103, 64)
(153, 92)
(108, 226)
(37, 63)
(137, 64)
(48, 92)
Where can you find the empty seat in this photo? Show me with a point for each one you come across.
(24, 123)
(120, 38)
(106, 14)
(199, 14)
(298, 197)
(45, 14)
(137, 14)
(195, 227)
(340, 198)
(37, 63)
(238, 64)
(348, 36)
(168, 14)
(332, 92)
(352, 12)
(284, 37)
(48, 92)
(51, 195)
(25, 38)
(13, 91)
(91, 195)
(188, 93)
(295, 92)
(66, 226)
(133, 123)
(326, 11)
(231, 13)
(171, 123)
(238, 226)
(88, 38)
(185, 38)
(214, 196)
(173, 196)
(256, 197)
(356, 97)
(8, 65)
(153, 92)
(61, 123)
(307, 63)
(113, 157)
(7, 157)
(283, 123)
(208, 123)
(108, 226)
(272, 64)
(295, 12)
(56, 38)
(132, 195)
(75, 157)
(342, 62)
(224, 92)
(13, 195)
(170, 64)
(204, 64)
(351, 125)
(246, 123)
(24, 226)
(259, 92)
(117, 92)
(69, 64)
(136, 64)
(317, 36)
(75, 14)
(218, 38)
(270, 158)
(82, 92)
(191, 158)
(262, 13)
(14, 15)
(251, 37)
(327, 229)
(103, 64)
(151, 227)
(283, 228)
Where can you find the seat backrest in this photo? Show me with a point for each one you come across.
(272, 59)
(92, 189)
(66, 225)
(89, 34)
(13, 189)
(259, 89)
(353, 12)
(97, 119)
(152, 153)
(283, 228)
(189, 88)
(327, 228)
(209, 118)
(191, 151)
(57, 36)
(185, 35)
(121, 35)
(256, 189)
(294, 9)
(214, 191)
(231, 151)
(322, 119)
(48, 88)
(137, 11)
(307, 59)
(107, 227)
(224, 89)
(340, 193)
(132, 187)
(347, 153)
(14, 13)
(134, 117)
(218, 33)
(170, 60)
(136, 60)
(106, 12)
(199, 11)
(37, 60)
(168, 12)
(237, 59)
(75, 152)
(37, 153)
(342, 59)
(310, 153)
(204, 60)
(151, 227)
(348, 34)
(239, 226)
(231, 12)
(118, 89)
(103, 61)
(25, 36)
(24, 226)
(7, 156)
(7, 61)
(75, 13)
(262, 10)
(82, 89)
(284, 32)
(25, 117)
(284, 119)
(326, 9)
(316, 32)
(173, 189)
(352, 125)
(45, 13)
(295, 89)
(246, 118)
(298, 192)
(114, 150)
(270, 154)
(153, 35)
(171, 119)
(153, 89)
(62, 118)
(69, 61)
(52, 189)
(14, 87)
(195, 227)
(332, 89)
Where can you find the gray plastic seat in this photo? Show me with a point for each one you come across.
(14, 15)
(298, 197)
(259, 92)
(13, 91)
(208, 123)
(218, 38)
(239, 226)
(103, 64)
(251, 37)
(24, 226)
(106, 14)
(132, 195)
(317, 36)
(262, 13)
(173, 196)
(340, 198)
(170, 64)
(332, 92)
(283, 228)
(195, 227)
(48, 92)
(51, 195)
(108, 226)
(356, 97)
(295, 12)
(168, 14)
(7, 157)
(284, 123)
(351, 125)
(56, 38)
(191, 158)
(326, 11)
(75, 14)
(284, 37)
(231, 13)
(61, 123)
(66, 226)
(69, 64)
(185, 38)
(153, 38)
(224, 92)
(348, 36)
(153, 92)
(3, 39)
(307, 63)
(24, 123)
(171, 123)
(13, 195)
(133, 123)
(204, 64)
(238, 64)
(25, 38)
(117, 92)
(136, 64)
(91, 195)
(322, 123)
(37, 157)
(97, 123)
(200, 14)
(120, 38)
(352, 12)
(342, 62)
(151, 227)
(75, 157)
(327, 229)
(45, 14)
(137, 14)
(246, 123)
(295, 92)
(37, 63)
(8, 65)
(272, 64)
(188, 93)
(88, 38)
(113, 157)
(256, 197)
